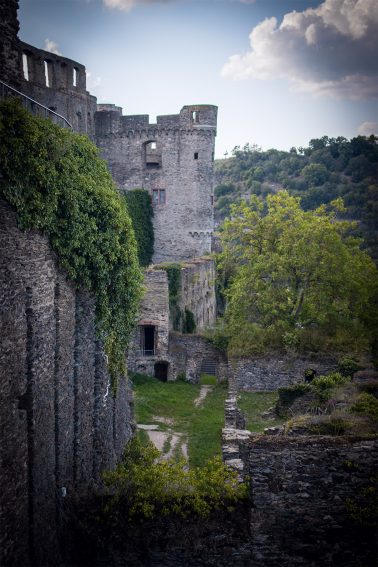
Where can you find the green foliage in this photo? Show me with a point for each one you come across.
(287, 396)
(208, 379)
(141, 213)
(347, 366)
(201, 425)
(58, 184)
(323, 383)
(366, 404)
(174, 283)
(363, 508)
(327, 169)
(253, 405)
(144, 487)
(189, 325)
(298, 280)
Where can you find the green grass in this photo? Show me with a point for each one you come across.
(172, 400)
(175, 400)
(205, 428)
(208, 379)
(253, 404)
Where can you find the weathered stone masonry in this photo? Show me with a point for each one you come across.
(173, 160)
(60, 423)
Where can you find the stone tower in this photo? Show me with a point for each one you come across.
(173, 161)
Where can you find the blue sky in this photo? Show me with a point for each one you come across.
(280, 71)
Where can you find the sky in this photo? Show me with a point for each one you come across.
(280, 71)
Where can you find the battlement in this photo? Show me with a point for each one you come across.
(109, 120)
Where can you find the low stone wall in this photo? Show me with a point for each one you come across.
(300, 490)
(60, 423)
(269, 373)
(188, 353)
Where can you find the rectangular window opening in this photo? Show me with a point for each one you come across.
(158, 196)
(147, 340)
(74, 77)
(195, 116)
(47, 66)
(195, 155)
(25, 66)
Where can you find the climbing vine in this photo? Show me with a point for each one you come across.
(141, 212)
(174, 281)
(58, 184)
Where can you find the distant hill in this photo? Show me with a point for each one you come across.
(327, 169)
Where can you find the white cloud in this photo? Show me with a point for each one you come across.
(92, 82)
(51, 46)
(368, 128)
(127, 5)
(329, 50)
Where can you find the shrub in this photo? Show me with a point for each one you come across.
(146, 488)
(287, 396)
(174, 281)
(347, 366)
(324, 384)
(366, 404)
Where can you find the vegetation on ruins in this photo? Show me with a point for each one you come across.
(170, 406)
(295, 280)
(327, 169)
(58, 184)
(173, 270)
(141, 213)
(145, 487)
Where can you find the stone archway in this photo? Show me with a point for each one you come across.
(161, 371)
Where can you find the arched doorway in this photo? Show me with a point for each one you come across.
(161, 371)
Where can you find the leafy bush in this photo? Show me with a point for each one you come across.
(144, 487)
(366, 404)
(58, 184)
(347, 366)
(288, 394)
(323, 384)
(141, 212)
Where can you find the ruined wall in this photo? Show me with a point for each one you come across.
(60, 424)
(154, 311)
(190, 352)
(272, 372)
(300, 493)
(197, 291)
(52, 80)
(181, 165)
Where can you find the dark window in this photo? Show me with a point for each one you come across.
(158, 196)
(147, 340)
(212, 200)
(195, 155)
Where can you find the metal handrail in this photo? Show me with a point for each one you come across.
(45, 108)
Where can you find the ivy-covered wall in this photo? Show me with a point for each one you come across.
(141, 212)
(57, 183)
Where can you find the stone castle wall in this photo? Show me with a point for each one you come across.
(271, 372)
(188, 353)
(181, 166)
(300, 491)
(60, 423)
(197, 291)
(45, 77)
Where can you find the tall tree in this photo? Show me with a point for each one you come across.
(295, 274)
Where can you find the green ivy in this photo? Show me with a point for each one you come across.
(141, 212)
(58, 184)
(174, 282)
(189, 325)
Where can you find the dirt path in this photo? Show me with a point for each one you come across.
(202, 395)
